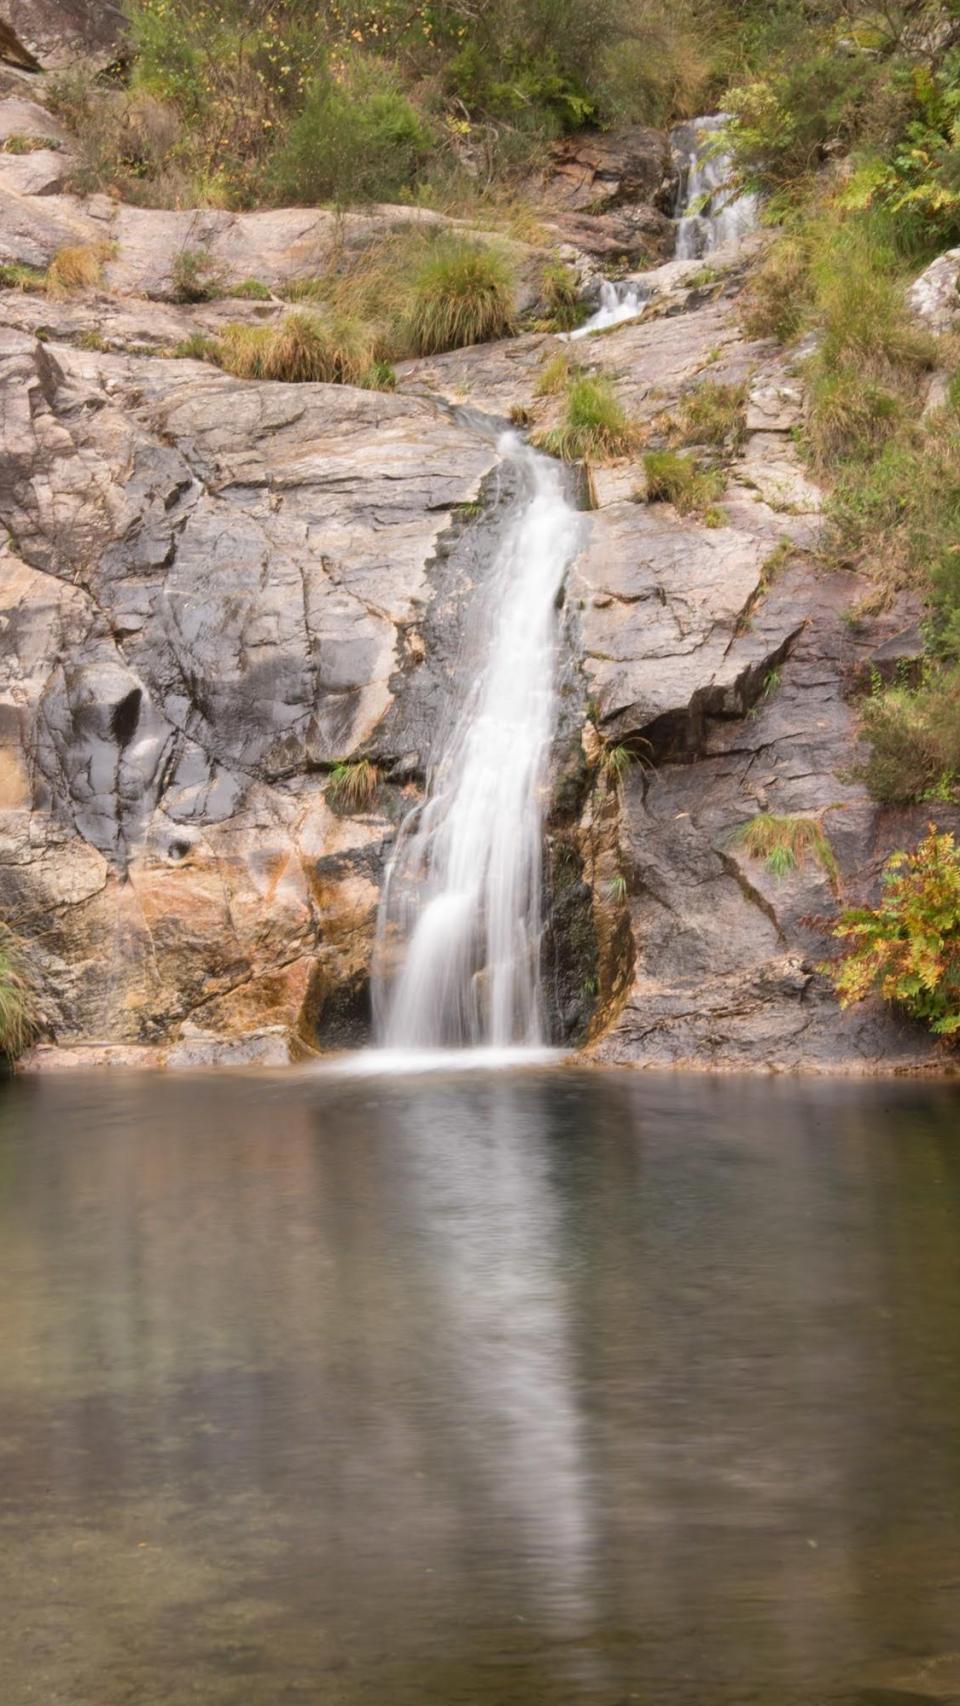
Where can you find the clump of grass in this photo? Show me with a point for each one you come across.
(78, 267)
(595, 427)
(15, 275)
(784, 843)
(915, 738)
(555, 375)
(779, 298)
(712, 414)
(23, 143)
(561, 295)
(461, 294)
(249, 290)
(303, 348)
(19, 1011)
(682, 481)
(197, 347)
(353, 786)
(196, 276)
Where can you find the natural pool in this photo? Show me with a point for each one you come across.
(510, 1388)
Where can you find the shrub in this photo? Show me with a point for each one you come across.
(595, 427)
(77, 267)
(682, 481)
(353, 786)
(19, 1012)
(358, 139)
(196, 276)
(907, 949)
(915, 739)
(784, 842)
(461, 294)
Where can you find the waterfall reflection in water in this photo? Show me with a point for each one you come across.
(529, 1388)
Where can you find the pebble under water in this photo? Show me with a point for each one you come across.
(508, 1388)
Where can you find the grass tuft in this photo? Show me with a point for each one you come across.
(78, 267)
(353, 786)
(784, 843)
(19, 1012)
(684, 482)
(595, 427)
(461, 294)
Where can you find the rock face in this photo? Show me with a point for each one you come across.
(59, 32)
(214, 594)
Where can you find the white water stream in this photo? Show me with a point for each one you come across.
(458, 942)
(711, 215)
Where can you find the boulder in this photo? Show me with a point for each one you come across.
(934, 297)
(58, 33)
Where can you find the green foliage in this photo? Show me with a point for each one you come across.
(784, 842)
(355, 139)
(779, 296)
(555, 375)
(712, 414)
(197, 347)
(196, 276)
(14, 275)
(595, 427)
(353, 787)
(249, 290)
(914, 733)
(682, 481)
(19, 1011)
(907, 949)
(462, 293)
(561, 293)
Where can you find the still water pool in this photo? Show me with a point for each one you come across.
(536, 1388)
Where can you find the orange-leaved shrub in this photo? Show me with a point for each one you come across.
(907, 949)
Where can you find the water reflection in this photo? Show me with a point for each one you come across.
(503, 1389)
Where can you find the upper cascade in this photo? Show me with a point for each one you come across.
(710, 214)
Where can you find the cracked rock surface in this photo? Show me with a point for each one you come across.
(214, 591)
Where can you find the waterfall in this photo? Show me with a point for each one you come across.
(618, 302)
(461, 906)
(710, 215)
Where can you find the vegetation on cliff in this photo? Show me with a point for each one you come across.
(19, 1015)
(907, 949)
(852, 129)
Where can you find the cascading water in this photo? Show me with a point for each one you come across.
(461, 904)
(618, 302)
(710, 214)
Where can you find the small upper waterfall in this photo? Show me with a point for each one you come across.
(619, 301)
(461, 904)
(710, 214)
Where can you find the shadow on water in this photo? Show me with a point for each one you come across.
(504, 1389)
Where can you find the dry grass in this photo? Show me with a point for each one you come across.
(19, 1013)
(353, 786)
(77, 268)
(784, 843)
